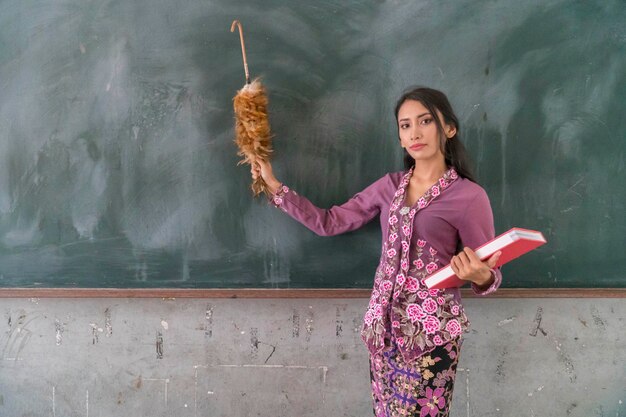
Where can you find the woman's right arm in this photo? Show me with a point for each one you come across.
(351, 215)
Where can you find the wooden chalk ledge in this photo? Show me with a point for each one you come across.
(288, 293)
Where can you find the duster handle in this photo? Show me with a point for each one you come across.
(243, 48)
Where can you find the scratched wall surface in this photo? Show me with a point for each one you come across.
(117, 167)
(81, 358)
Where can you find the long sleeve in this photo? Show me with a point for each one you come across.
(475, 229)
(351, 215)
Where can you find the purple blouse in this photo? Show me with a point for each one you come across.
(416, 241)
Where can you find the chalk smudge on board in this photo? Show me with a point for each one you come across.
(506, 321)
(95, 329)
(357, 324)
(295, 319)
(159, 344)
(208, 317)
(59, 328)
(597, 320)
(17, 338)
(9, 320)
(538, 317)
(254, 342)
(107, 322)
(500, 373)
(338, 323)
(569, 365)
(309, 324)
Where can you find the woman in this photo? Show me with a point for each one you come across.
(427, 213)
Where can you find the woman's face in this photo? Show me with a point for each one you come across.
(418, 132)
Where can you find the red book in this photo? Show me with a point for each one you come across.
(512, 244)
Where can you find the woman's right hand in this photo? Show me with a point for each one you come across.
(263, 169)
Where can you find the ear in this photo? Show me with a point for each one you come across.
(450, 131)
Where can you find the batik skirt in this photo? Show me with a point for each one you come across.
(418, 389)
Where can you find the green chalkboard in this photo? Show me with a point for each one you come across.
(117, 162)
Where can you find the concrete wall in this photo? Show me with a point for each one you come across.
(286, 357)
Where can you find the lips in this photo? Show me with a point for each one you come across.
(417, 146)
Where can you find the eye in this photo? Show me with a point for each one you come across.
(404, 125)
(426, 120)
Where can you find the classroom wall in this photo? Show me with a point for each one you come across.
(117, 169)
(294, 357)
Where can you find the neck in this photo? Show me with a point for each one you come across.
(428, 172)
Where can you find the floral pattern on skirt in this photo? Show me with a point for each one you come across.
(422, 388)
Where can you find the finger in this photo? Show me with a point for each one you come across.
(463, 259)
(265, 166)
(453, 265)
(261, 163)
(471, 255)
(457, 266)
(493, 261)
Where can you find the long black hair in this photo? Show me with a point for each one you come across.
(453, 150)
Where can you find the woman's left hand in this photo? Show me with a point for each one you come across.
(467, 266)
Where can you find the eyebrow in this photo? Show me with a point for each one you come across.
(418, 116)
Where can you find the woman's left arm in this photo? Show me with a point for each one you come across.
(475, 229)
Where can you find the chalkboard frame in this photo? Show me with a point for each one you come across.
(114, 103)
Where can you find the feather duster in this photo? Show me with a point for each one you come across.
(252, 128)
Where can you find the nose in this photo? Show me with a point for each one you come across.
(416, 133)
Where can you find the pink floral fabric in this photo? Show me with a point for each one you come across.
(278, 197)
(425, 318)
(422, 388)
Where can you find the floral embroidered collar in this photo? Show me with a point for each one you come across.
(446, 179)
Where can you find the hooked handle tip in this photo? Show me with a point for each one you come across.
(237, 23)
